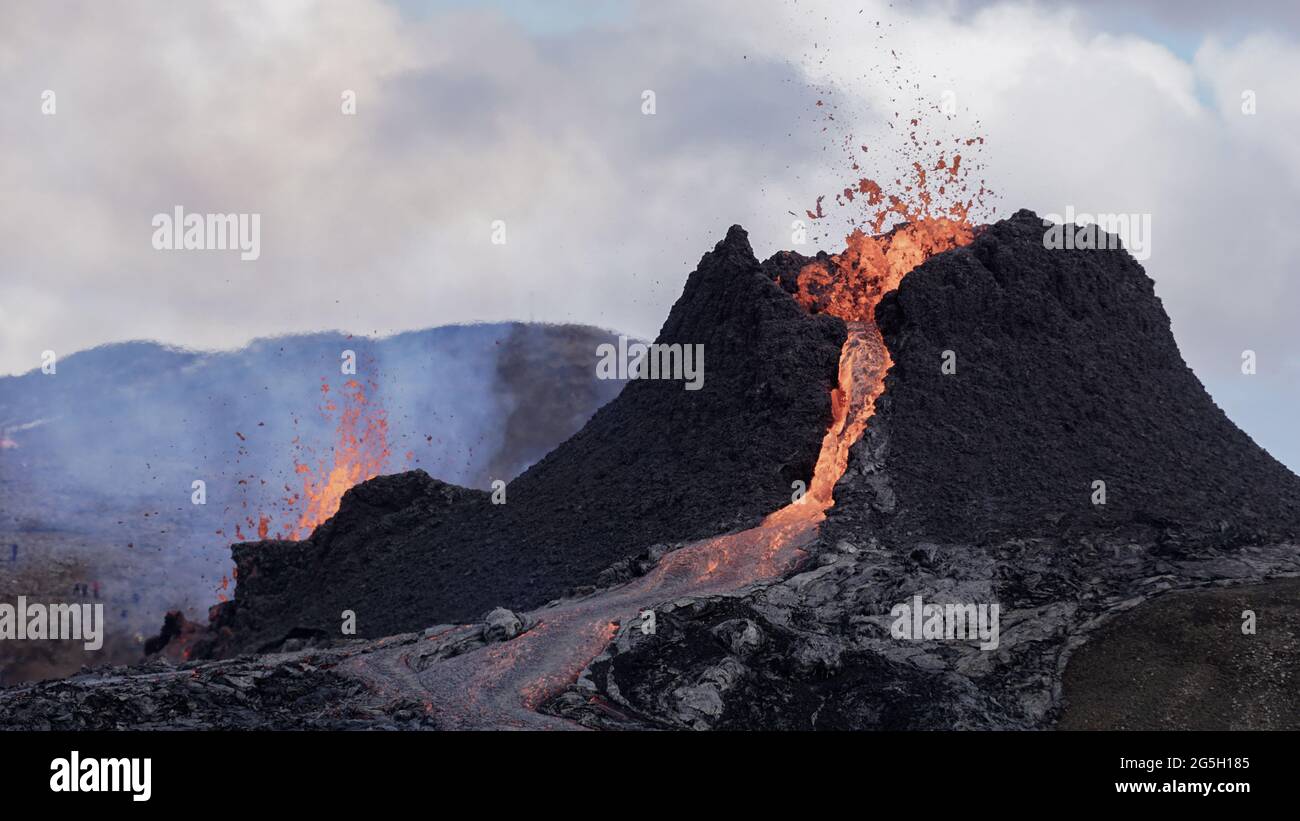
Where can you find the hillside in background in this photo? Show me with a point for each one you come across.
(98, 460)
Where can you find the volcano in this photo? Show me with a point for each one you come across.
(974, 418)
(977, 484)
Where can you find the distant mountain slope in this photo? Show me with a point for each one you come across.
(99, 458)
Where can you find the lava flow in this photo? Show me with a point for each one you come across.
(503, 684)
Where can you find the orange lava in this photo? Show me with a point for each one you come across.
(766, 551)
(931, 211)
(360, 453)
(863, 363)
(506, 683)
(869, 267)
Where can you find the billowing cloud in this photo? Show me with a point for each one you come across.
(382, 221)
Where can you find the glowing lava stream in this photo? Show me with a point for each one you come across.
(502, 685)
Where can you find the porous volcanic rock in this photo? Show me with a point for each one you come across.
(659, 464)
(1067, 374)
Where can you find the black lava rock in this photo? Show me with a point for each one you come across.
(1066, 374)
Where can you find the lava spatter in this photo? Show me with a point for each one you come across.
(360, 452)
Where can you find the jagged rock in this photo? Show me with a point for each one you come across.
(741, 636)
(176, 634)
(829, 662)
(501, 625)
(289, 691)
(631, 567)
(700, 705)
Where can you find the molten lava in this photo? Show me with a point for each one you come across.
(506, 683)
(852, 284)
(766, 551)
(933, 209)
(360, 453)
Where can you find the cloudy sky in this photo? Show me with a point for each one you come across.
(531, 113)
